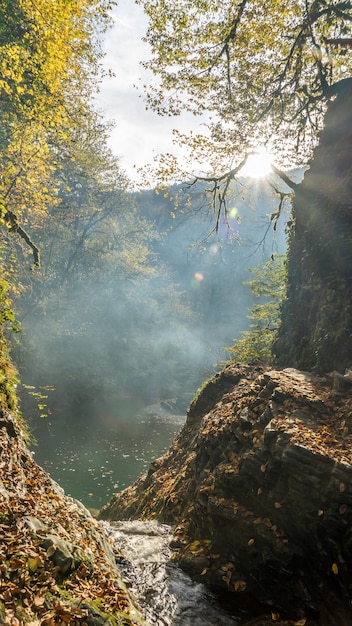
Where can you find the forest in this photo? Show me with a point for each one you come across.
(113, 325)
(124, 314)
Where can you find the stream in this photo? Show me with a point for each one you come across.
(165, 594)
(91, 460)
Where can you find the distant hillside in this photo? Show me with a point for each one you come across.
(210, 267)
(155, 334)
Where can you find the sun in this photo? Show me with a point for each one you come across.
(258, 164)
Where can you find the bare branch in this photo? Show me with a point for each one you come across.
(230, 174)
(342, 42)
(290, 183)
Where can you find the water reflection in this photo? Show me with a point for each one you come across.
(93, 460)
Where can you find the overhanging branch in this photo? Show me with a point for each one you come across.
(14, 227)
(219, 191)
(290, 183)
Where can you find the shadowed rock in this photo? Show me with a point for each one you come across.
(259, 487)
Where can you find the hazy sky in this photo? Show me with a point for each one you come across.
(139, 134)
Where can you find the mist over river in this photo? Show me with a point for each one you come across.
(98, 350)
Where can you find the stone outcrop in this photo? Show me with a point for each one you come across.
(259, 487)
(316, 318)
(56, 565)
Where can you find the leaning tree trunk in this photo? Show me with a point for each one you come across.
(316, 318)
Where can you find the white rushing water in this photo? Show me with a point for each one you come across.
(164, 593)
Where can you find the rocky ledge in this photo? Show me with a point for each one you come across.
(259, 487)
(56, 565)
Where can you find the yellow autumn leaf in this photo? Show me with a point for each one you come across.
(240, 585)
(335, 568)
(34, 562)
(227, 566)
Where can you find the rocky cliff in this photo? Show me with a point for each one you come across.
(259, 487)
(56, 566)
(316, 317)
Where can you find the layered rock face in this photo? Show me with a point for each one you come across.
(316, 320)
(56, 566)
(259, 487)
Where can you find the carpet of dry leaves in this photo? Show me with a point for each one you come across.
(33, 589)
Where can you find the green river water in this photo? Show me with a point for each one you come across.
(93, 459)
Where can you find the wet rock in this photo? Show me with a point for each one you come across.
(8, 422)
(95, 618)
(259, 486)
(342, 383)
(59, 551)
(34, 524)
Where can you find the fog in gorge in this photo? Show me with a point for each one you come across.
(126, 352)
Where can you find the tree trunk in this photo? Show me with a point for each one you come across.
(316, 317)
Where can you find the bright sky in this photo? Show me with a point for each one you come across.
(139, 134)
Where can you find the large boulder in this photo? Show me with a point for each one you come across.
(259, 487)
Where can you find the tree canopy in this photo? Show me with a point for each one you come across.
(260, 70)
(275, 74)
(44, 47)
(50, 57)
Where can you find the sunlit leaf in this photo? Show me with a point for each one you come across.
(240, 585)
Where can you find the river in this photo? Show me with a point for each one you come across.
(93, 458)
(101, 457)
(164, 593)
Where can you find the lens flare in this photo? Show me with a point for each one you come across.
(233, 212)
(258, 164)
